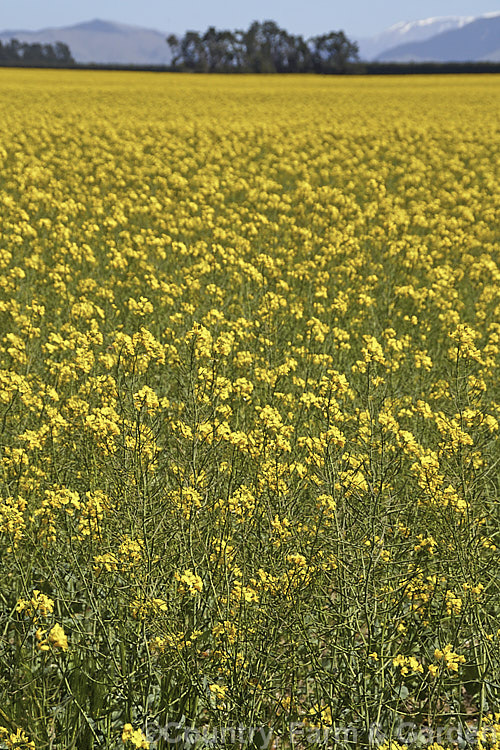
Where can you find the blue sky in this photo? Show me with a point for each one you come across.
(358, 18)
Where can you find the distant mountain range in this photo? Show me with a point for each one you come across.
(454, 39)
(103, 42)
(448, 39)
(478, 40)
(408, 31)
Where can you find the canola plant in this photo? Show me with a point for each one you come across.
(249, 405)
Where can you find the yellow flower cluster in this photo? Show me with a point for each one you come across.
(189, 581)
(16, 740)
(56, 637)
(407, 664)
(449, 657)
(40, 605)
(134, 736)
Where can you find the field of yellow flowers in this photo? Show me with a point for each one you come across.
(249, 409)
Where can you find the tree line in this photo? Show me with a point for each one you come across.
(19, 53)
(263, 48)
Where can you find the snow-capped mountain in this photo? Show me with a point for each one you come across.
(103, 42)
(404, 32)
(478, 40)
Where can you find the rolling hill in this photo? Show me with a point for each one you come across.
(102, 42)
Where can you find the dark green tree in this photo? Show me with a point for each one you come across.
(19, 53)
(260, 41)
(270, 49)
(296, 56)
(193, 52)
(63, 54)
(263, 48)
(14, 50)
(222, 50)
(174, 43)
(332, 53)
(49, 54)
(33, 54)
